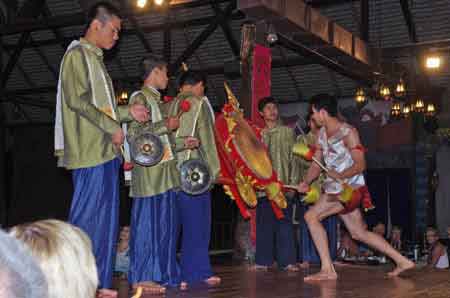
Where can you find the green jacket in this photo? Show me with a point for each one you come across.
(157, 179)
(87, 128)
(204, 131)
(279, 141)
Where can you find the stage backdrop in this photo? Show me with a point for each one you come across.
(391, 194)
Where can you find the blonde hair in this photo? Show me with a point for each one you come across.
(64, 253)
(20, 275)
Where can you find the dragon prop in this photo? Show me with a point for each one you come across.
(245, 163)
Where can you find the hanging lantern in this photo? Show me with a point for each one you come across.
(396, 110)
(431, 110)
(122, 99)
(400, 89)
(406, 111)
(385, 92)
(360, 96)
(419, 106)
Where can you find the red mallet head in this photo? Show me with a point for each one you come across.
(185, 106)
(127, 166)
(168, 98)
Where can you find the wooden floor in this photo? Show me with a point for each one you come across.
(353, 282)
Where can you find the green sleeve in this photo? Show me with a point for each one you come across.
(294, 161)
(78, 94)
(124, 113)
(136, 127)
(205, 133)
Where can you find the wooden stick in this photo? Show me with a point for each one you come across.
(290, 186)
(326, 170)
(320, 164)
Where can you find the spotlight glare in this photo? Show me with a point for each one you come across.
(141, 3)
(433, 62)
(159, 2)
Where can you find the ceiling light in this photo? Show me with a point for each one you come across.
(141, 3)
(433, 62)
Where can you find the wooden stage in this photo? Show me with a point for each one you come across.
(353, 282)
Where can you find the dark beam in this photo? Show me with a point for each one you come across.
(140, 34)
(14, 58)
(79, 19)
(46, 61)
(148, 29)
(30, 9)
(201, 38)
(364, 30)
(409, 20)
(325, 3)
(362, 77)
(225, 25)
(215, 70)
(46, 13)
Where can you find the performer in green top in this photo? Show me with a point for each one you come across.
(195, 211)
(155, 218)
(275, 236)
(88, 134)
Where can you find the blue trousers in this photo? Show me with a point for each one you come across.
(307, 249)
(274, 237)
(95, 209)
(195, 215)
(154, 231)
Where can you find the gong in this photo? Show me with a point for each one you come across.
(195, 176)
(146, 149)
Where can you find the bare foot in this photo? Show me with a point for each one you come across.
(258, 268)
(106, 293)
(405, 265)
(304, 265)
(322, 275)
(291, 268)
(149, 287)
(213, 280)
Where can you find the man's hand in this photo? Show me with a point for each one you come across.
(139, 112)
(191, 143)
(118, 138)
(335, 175)
(303, 187)
(173, 123)
(106, 293)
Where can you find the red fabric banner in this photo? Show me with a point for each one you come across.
(261, 79)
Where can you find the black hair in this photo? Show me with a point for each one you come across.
(191, 78)
(265, 101)
(326, 102)
(148, 63)
(102, 11)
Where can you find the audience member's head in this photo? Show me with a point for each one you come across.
(396, 234)
(432, 235)
(64, 254)
(379, 229)
(20, 276)
(124, 233)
